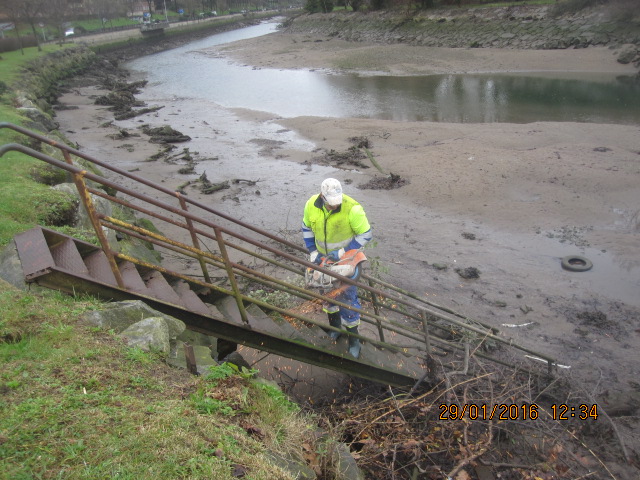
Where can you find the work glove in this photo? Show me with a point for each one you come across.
(336, 254)
(315, 257)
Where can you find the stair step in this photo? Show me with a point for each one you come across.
(132, 279)
(213, 311)
(228, 307)
(259, 320)
(190, 299)
(98, 265)
(67, 256)
(33, 251)
(161, 289)
(384, 358)
(302, 333)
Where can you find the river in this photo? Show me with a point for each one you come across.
(464, 98)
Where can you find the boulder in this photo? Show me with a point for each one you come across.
(298, 468)
(39, 120)
(119, 316)
(345, 464)
(150, 334)
(10, 266)
(628, 54)
(83, 221)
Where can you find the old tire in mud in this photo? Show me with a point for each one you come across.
(576, 263)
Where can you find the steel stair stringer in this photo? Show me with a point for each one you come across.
(60, 262)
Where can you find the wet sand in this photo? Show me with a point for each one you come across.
(508, 199)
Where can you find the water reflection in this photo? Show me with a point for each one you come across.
(196, 71)
(493, 98)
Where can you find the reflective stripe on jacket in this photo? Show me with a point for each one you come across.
(334, 229)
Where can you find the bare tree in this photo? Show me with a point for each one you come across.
(28, 11)
(106, 10)
(151, 6)
(190, 7)
(131, 6)
(57, 12)
(10, 8)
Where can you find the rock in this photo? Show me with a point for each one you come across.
(40, 121)
(345, 464)
(82, 221)
(196, 338)
(628, 54)
(149, 334)
(297, 468)
(469, 272)
(11, 268)
(119, 316)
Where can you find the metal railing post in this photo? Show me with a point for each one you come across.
(85, 197)
(232, 278)
(194, 240)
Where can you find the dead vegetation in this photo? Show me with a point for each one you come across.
(352, 157)
(355, 156)
(121, 97)
(384, 183)
(489, 423)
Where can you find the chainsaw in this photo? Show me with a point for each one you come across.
(348, 266)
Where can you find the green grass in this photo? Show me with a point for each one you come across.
(13, 62)
(77, 403)
(23, 201)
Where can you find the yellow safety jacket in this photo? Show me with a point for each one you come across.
(334, 229)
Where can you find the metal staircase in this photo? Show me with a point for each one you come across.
(60, 262)
(401, 332)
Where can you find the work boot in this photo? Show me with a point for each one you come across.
(334, 321)
(354, 343)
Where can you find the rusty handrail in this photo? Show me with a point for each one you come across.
(196, 227)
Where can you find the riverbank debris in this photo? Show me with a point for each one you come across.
(384, 183)
(164, 134)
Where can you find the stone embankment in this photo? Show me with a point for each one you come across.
(518, 27)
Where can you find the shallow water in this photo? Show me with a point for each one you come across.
(195, 71)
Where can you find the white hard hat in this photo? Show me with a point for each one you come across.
(331, 191)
